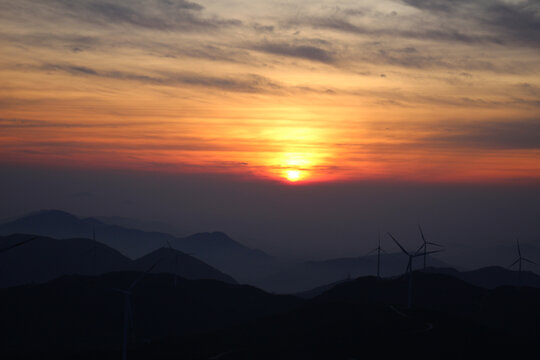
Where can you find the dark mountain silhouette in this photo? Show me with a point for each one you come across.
(76, 313)
(176, 262)
(309, 275)
(81, 317)
(310, 294)
(216, 249)
(429, 290)
(44, 259)
(492, 276)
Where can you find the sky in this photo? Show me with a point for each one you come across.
(309, 97)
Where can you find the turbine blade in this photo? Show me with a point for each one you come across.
(519, 249)
(422, 233)
(18, 244)
(434, 244)
(427, 253)
(423, 246)
(398, 244)
(144, 274)
(530, 261)
(371, 252)
(514, 263)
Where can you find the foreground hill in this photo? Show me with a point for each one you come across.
(216, 249)
(44, 259)
(78, 313)
(491, 277)
(81, 317)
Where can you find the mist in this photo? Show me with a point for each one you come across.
(317, 221)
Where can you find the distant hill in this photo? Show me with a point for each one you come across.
(44, 259)
(216, 249)
(308, 275)
(175, 262)
(76, 313)
(62, 225)
(148, 226)
(226, 254)
(492, 277)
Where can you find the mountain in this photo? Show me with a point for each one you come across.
(44, 259)
(429, 290)
(471, 257)
(308, 275)
(148, 226)
(82, 317)
(219, 250)
(366, 318)
(216, 249)
(492, 277)
(62, 225)
(176, 262)
(78, 313)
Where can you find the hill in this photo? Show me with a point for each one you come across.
(172, 261)
(311, 274)
(77, 313)
(44, 259)
(216, 249)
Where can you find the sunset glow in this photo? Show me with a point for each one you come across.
(341, 92)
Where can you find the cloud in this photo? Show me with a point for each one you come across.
(510, 22)
(247, 83)
(306, 52)
(521, 134)
(150, 14)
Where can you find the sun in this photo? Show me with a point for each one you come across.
(293, 175)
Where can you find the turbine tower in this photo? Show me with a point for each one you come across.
(425, 245)
(520, 260)
(409, 270)
(128, 314)
(378, 249)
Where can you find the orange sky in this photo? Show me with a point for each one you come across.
(325, 91)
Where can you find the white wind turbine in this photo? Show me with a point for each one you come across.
(378, 249)
(425, 245)
(409, 270)
(520, 260)
(128, 314)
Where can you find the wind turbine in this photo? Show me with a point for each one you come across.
(424, 246)
(409, 270)
(378, 249)
(128, 314)
(519, 260)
